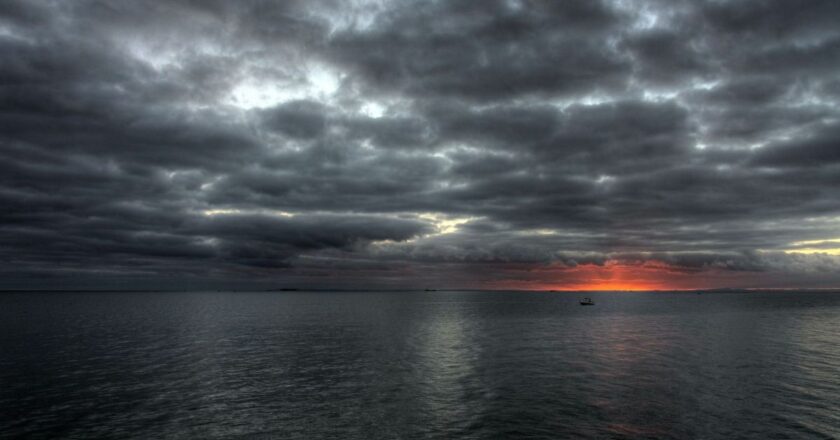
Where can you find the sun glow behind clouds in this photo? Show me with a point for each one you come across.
(446, 225)
(829, 246)
(616, 275)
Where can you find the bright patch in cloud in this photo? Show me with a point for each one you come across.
(829, 247)
(318, 83)
(373, 109)
(446, 225)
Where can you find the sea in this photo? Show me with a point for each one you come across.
(420, 365)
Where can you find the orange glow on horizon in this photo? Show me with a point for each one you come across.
(617, 276)
(624, 276)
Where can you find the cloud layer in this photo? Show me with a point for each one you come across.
(412, 143)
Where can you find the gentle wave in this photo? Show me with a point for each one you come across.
(419, 365)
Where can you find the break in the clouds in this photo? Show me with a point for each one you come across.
(524, 144)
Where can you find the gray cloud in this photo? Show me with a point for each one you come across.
(392, 143)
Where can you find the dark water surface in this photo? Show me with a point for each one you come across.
(419, 365)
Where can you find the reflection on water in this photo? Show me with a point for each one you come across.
(421, 365)
(446, 367)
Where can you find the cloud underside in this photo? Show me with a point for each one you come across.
(390, 143)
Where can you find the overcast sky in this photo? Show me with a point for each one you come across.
(483, 144)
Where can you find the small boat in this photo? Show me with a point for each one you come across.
(587, 302)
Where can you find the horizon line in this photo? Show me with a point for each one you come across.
(303, 289)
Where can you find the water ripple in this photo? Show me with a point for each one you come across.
(425, 365)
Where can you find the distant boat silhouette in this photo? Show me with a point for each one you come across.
(587, 302)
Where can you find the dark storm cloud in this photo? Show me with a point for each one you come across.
(502, 49)
(269, 241)
(498, 126)
(383, 142)
(820, 148)
(298, 119)
(666, 56)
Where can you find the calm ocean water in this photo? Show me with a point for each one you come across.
(419, 365)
